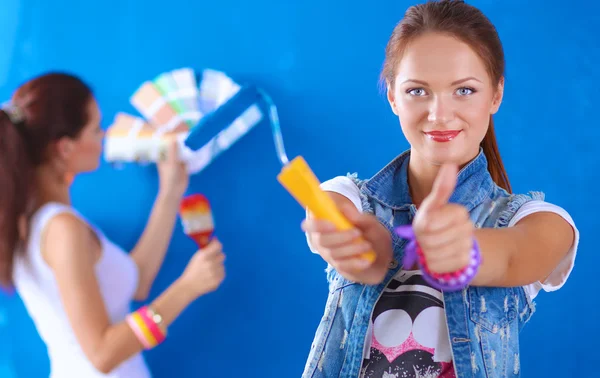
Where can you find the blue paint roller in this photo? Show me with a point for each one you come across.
(216, 122)
(295, 176)
(221, 128)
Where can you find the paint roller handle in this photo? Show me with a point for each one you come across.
(303, 185)
(328, 210)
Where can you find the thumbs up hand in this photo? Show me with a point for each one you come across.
(443, 230)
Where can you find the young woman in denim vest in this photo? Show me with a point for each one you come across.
(444, 75)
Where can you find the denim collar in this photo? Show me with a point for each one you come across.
(390, 185)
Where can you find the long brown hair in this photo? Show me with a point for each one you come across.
(44, 110)
(471, 26)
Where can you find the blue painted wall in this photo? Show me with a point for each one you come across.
(320, 61)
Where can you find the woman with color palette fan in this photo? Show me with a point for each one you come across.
(75, 283)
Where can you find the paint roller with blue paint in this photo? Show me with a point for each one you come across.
(295, 176)
(220, 129)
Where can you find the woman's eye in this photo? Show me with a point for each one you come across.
(416, 92)
(465, 91)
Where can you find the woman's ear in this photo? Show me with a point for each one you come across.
(391, 98)
(497, 100)
(64, 148)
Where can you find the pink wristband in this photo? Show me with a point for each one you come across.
(158, 334)
(138, 332)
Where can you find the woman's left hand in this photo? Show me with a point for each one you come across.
(173, 176)
(443, 230)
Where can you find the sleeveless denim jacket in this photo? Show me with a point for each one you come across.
(483, 322)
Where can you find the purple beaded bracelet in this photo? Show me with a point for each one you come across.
(447, 281)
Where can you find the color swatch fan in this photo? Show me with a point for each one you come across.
(170, 101)
(172, 105)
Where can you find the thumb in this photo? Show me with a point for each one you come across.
(442, 189)
(213, 248)
(172, 150)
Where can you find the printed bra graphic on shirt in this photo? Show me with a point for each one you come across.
(409, 337)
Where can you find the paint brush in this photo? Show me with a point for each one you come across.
(197, 219)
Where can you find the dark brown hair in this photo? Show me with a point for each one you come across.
(471, 26)
(50, 106)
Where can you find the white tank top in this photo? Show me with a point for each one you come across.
(117, 277)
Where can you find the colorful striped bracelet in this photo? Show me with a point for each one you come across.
(147, 329)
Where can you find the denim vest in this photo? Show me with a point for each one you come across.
(483, 322)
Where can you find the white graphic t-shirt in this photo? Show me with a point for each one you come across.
(408, 332)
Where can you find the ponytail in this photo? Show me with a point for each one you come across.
(16, 185)
(41, 111)
(492, 154)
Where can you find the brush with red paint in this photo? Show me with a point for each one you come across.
(196, 219)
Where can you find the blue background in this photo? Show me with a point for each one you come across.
(320, 61)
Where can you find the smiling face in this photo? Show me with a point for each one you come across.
(443, 97)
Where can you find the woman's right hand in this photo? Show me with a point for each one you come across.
(172, 173)
(344, 250)
(205, 271)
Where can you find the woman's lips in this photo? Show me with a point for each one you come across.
(442, 136)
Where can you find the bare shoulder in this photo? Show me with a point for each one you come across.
(64, 238)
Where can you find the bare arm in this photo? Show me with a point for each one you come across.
(149, 252)
(513, 256)
(70, 250)
(524, 253)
